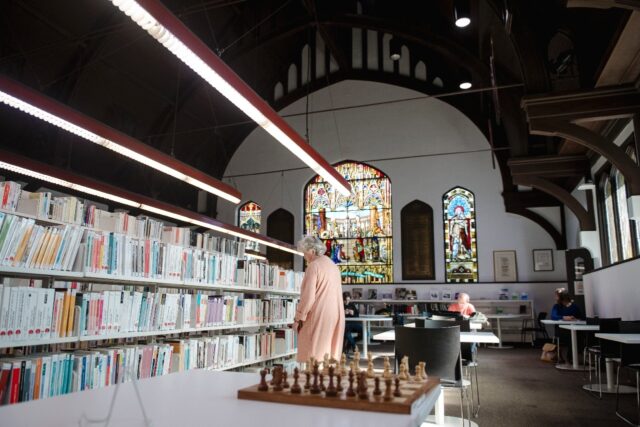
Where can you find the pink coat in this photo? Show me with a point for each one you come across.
(321, 310)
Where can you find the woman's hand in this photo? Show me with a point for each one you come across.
(568, 318)
(299, 325)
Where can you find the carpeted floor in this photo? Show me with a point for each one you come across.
(517, 389)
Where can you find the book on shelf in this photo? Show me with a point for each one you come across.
(356, 293)
(372, 294)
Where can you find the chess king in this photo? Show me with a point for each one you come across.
(319, 318)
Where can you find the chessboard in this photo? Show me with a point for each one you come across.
(391, 395)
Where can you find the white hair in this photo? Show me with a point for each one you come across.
(308, 243)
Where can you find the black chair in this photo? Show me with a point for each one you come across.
(605, 349)
(439, 348)
(538, 327)
(629, 359)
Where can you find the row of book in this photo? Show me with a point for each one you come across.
(23, 243)
(42, 376)
(33, 312)
(264, 310)
(259, 275)
(74, 211)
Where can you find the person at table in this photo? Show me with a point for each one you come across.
(351, 310)
(463, 306)
(319, 318)
(566, 309)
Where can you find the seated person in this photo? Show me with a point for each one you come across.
(566, 309)
(463, 306)
(351, 310)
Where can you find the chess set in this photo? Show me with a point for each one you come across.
(335, 386)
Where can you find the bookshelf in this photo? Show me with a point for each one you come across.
(214, 271)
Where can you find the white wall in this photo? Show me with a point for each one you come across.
(613, 291)
(427, 126)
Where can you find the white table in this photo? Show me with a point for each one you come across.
(465, 337)
(202, 398)
(367, 319)
(472, 325)
(498, 318)
(574, 328)
(609, 387)
(563, 322)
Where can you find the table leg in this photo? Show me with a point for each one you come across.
(439, 410)
(574, 349)
(500, 346)
(365, 339)
(610, 386)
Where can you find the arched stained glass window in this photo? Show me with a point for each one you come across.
(610, 218)
(355, 229)
(460, 245)
(250, 218)
(623, 215)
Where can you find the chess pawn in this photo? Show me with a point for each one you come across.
(339, 381)
(315, 389)
(417, 375)
(295, 388)
(285, 383)
(387, 390)
(397, 392)
(343, 365)
(307, 384)
(370, 373)
(331, 388)
(263, 386)
(376, 390)
(322, 387)
(423, 370)
(325, 365)
(403, 373)
(350, 391)
(277, 379)
(362, 386)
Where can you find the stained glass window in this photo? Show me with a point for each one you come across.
(460, 246)
(631, 152)
(355, 229)
(249, 218)
(610, 219)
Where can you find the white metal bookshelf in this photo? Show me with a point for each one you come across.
(255, 361)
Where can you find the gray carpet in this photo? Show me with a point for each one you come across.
(517, 389)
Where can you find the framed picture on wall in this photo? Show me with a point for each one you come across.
(543, 260)
(505, 268)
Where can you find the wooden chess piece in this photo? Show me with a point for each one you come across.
(350, 391)
(325, 365)
(263, 386)
(370, 373)
(356, 359)
(417, 376)
(331, 389)
(322, 387)
(295, 388)
(376, 390)
(307, 384)
(396, 392)
(362, 386)
(285, 383)
(423, 370)
(277, 379)
(339, 381)
(315, 389)
(403, 372)
(387, 368)
(387, 390)
(343, 365)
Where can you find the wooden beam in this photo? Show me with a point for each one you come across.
(604, 103)
(585, 217)
(550, 166)
(339, 55)
(595, 142)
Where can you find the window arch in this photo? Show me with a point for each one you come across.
(280, 226)
(609, 218)
(460, 245)
(416, 225)
(250, 218)
(357, 230)
(624, 225)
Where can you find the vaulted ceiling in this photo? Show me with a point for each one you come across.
(90, 56)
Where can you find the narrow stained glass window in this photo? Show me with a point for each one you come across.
(610, 219)
(460, 246)
(356, 230)
(623, 214)
(249, 218)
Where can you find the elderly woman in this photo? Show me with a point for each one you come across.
(319, 317)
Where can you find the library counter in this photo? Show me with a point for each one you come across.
(197, 397)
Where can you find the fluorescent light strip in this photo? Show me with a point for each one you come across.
(142, 206)
(148, 23)
(111, 145)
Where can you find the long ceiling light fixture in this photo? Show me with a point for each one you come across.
(36, 104)
(63, 178)
(168, 30)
